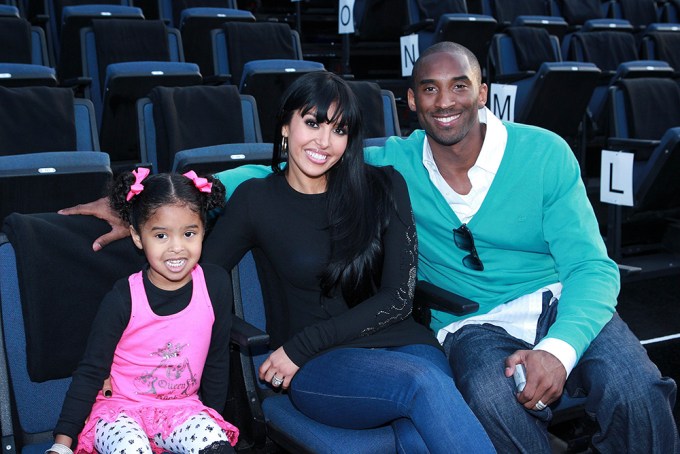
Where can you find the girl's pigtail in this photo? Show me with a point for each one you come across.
(118, 195)
(216, 198)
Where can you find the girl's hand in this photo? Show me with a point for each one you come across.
(101, 209)
(278, 364)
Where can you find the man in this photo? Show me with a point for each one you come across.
(503, 219)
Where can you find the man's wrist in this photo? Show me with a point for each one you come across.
(565, 353)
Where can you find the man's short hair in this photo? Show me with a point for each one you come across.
(451, 48)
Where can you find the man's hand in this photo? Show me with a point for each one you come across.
(101, 209)
(278, 364)
(545, 375)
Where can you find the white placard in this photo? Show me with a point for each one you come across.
(346, 17)
(502, 101)
(616, 178)
(409, 53)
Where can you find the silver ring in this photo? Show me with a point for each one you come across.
(540, 406)
(276, 381)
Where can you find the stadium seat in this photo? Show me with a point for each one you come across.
(262, 59)
(577, 12)
(51, 180)
(608, 43)
(273, 416)
(38, 353)
(177, 118)
(530, 59)
(655, 140)
(74, 18)
(125, 59)
(24, 58)
(196, 24)
(537, 13)
(38, 119)
(661, 41)
(379, 109)
(450, 21)
(170, 11)
(640, 13)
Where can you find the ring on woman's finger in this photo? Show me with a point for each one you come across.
(540, 406)
(276, 381)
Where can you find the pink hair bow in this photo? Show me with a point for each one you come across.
(202, 184)
(137, 187)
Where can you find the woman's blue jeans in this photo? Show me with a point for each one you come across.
(625, 392)
(409, 387)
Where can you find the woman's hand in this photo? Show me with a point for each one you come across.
(101, 209)
(280, 365)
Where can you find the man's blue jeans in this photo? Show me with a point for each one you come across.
(409, 387)
(626, 394)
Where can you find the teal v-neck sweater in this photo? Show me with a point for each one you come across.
(535, 227)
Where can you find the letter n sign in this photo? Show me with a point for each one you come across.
(409, 53)
(503, 101)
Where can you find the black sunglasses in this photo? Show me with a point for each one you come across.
(462, 236)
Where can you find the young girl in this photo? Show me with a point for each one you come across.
(162, 334)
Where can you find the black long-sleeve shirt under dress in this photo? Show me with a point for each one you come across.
(291, 230)
(107, 329)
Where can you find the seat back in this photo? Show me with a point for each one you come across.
(577, 12)
(213, 115)
(656, 188)
(521, 51)
(640, 13)
(74, 18)
(379, 109)
(662, 42)
(51, 180)
(655, 182)
(56, 14)
(451, 21)
(266, 80)
(506, 11)
(37, 119)
(133, 57)
(61, 295)
(196, 25)
(240, 42)
(171, 11)
(20, 42)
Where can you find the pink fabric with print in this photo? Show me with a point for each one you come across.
(157, 367)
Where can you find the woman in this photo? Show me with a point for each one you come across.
(340, 243)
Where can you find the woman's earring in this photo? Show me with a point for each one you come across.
(284, 146)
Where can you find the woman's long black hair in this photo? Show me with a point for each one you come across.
(359, 197)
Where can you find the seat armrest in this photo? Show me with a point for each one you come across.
(427, 24)
(246, 335)
(634, 144)
(509, 78)
(217, 79)
(430, 296)
(77, 84)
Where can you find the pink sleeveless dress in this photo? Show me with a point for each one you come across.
(157, 367)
